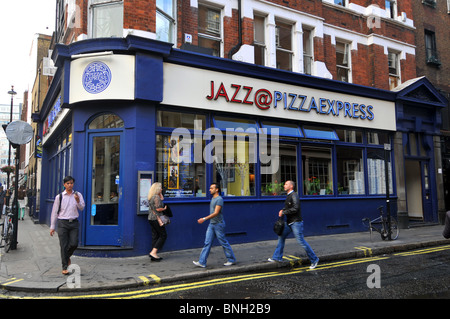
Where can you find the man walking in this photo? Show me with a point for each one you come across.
(294, 223)
(216, 229)
(65, 215)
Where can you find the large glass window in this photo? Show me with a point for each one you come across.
(106, 18)
(177, 169)
(317, 170)
(285, 169)
(350, 170)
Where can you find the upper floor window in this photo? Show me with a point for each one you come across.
(343, 61)
(394, 70)
(430, 48)
(308, 49)
(391, 8)
(259, 40)
(106, 18)
(209, 29)
(341, 2)
(284, 46)
(165, 20)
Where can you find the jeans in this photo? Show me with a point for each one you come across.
(297, 228)
(216, 231)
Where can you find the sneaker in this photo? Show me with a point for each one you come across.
(228, 263)
(199, 264)
(271, 260)
(314, 264)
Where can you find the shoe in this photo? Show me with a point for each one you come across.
(271, 260)
(155, 258)
(314, 264)
(199, 264)
(228, 263)
(65, 272)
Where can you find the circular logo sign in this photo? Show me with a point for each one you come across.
(96, 77)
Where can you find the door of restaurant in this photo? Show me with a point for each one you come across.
(103, 205)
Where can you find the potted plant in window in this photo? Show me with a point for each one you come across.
(312, 186)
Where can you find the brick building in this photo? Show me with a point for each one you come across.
(369, 43)
(332, 83)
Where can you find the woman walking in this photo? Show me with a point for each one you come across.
(156, 208)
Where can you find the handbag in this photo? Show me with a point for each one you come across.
(168, 212)
(278, 227)
(163, 220)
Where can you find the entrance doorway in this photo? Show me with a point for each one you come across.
(103, 218)
(418, 192)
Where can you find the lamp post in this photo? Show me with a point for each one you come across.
(12, 93)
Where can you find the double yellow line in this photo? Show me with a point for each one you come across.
(423, 251)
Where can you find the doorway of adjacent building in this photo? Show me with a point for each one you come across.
(418, 192)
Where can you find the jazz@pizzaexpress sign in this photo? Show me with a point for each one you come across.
(265, 99)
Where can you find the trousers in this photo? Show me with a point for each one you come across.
(68, 239)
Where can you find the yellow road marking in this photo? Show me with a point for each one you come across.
(365, 249)
(11, 281)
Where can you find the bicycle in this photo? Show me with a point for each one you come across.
(7, 230)
(380, 225)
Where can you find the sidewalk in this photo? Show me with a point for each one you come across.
(35, 265)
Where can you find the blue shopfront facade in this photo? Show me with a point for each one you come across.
(124, 113)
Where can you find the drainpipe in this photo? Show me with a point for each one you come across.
(238, 46)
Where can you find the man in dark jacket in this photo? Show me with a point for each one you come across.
(294, 223)
(446, 232)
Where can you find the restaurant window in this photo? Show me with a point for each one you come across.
(259, 40)
(317, 170)
(350, 171)
(209, 29)
(165, 20)
(284, 45)
(376, 172)
(285, 169)
(234, 162)
(308, 49)
(343, 61)
(106, 18)
(377, 138)
(394, 69)
(106, 121)
(177, 169)
(350, 136)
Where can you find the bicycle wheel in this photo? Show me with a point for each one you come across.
(394, 229)
(8, 237)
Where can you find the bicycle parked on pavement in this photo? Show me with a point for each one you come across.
(382, 226)
(7, 230)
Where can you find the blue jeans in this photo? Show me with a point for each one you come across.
(216, 231)
(297, 228)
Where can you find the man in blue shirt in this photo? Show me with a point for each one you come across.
(216, 229)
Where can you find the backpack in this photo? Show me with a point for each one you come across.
(60, 200)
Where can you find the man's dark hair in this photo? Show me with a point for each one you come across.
(68, 178)
(216, 185)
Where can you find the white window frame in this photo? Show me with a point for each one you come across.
(219, 38)
(92, 7)
(171, 19)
